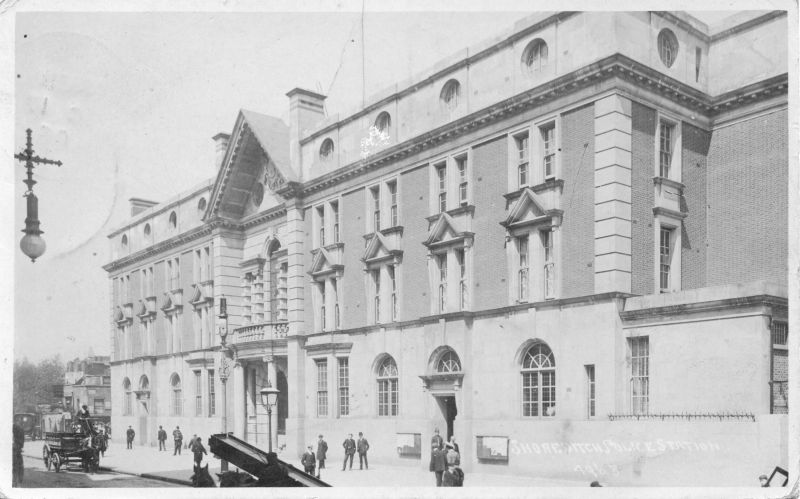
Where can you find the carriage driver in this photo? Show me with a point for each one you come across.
(83, 419)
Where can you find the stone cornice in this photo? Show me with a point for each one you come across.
(660, 313)
(747, 25)
(614, 66)
(472, 59)
(329, 348)
(194, 234)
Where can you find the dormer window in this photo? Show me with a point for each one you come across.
(326, 150)
(451, 91)
(667, 47)
(534, 58)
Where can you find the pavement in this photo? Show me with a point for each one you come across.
(149, 462)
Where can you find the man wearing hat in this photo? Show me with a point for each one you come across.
(129, 435)
(322, 450)
(309, 461)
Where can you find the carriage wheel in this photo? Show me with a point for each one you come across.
(46, 457)
(56, 461)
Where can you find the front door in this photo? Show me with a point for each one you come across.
(447, 404)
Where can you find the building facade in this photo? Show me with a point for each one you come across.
(567, 248)
(88, 382)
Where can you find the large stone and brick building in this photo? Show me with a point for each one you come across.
(566, 246)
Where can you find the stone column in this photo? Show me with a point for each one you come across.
(612, 194)
(295, 236)
(238, 400)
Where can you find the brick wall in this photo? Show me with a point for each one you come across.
(748, 201)
(414, 271)
(643, 127)
(490, 177)
(351, 214)
(693, 164)
(577, 231)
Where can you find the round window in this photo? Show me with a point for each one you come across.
(667, 47)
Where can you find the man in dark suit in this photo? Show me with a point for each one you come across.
(349, 451)
(309, 461)
(322, 451)
(177, 436)
(438, 457)
(162, 439)
(129, 435)
(363, 447)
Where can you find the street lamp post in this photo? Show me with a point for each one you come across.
(32, 244)
(224, 368)
(269, 398)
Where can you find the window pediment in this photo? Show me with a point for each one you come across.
(122, 316)
(172, 303)
(200, 295)
(445, 232)
(380, 250)
(146, 309)
(529, 210)
(325, 264)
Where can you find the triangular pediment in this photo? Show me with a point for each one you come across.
(256, 166)
(323, 263)
(377, 248)
(444, 229)
(141, 309)
(119, 316)
(528, 210)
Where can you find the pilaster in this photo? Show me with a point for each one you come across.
(612, 195)
(295, 236)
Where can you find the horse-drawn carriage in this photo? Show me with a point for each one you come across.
(81, 446)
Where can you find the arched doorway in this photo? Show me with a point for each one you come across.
(443, 381)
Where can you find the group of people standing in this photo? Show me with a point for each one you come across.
(309, 459)
(445, 461)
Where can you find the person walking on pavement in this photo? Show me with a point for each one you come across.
(198, 450)
(162, 439)
(438, 458)
(309, 460)
(177, 436)
(363, 447)
(322, 451)
(451, 447)
(129, 435)
(17, 467)
(349, 451)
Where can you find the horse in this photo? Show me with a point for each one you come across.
(201, 477)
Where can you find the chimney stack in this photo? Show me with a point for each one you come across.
(306, 110)
(220, 147)
(138, 205)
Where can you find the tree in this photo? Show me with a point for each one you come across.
(33, 384)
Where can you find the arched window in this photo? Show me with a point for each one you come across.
(534, 57)
(538, 381)
(127, 401)
(451, 91)
(667, 47)
(176, 401)
(387, 388)
(326, 150)
(201, 205)
(124, 241)
(146, 229)
(144, 383)
(448, 363)
(383, 122)
(173, 220)
(258, 194)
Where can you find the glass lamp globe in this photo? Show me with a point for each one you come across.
(33, 246)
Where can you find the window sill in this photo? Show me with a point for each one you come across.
(469, 208)
(551, 183)
(663, 181)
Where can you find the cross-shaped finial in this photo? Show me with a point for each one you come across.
(27, 156)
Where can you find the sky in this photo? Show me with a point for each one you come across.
(129, 101)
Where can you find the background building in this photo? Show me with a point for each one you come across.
(566, 246)
(88, 381)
